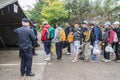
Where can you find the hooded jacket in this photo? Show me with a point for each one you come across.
(44, 32)
(108, 36)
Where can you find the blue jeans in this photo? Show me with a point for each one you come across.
(95, 46)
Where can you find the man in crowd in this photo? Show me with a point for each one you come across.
(46, 41)
(26, 39)
(68, 29)
(85, 40)
(58, 43)
(33, 27)
(117, 44)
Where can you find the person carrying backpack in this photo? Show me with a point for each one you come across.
(46, 37)
(68, 30)
(117, 44)
(108, 38)
(95, 37)
(59, 38)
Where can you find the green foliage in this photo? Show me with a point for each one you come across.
(50, 10)
(73, 11)
(93, 10)
(54, 11)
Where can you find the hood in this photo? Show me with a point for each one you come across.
(46, 26)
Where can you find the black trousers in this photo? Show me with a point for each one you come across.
(106, 54)
(34, 46)
(117, 51)
(68, 47)
(59, 50)
(26, 61)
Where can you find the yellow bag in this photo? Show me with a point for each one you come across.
(52, 50)
(62, 35)
(70, 38)
(87, 34)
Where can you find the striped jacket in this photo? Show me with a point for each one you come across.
(77, 34)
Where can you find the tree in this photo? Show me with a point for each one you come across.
(54, 11)
(35, 13)
(97, 10)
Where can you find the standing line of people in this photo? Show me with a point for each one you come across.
(84, 38)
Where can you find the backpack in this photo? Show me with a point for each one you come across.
(92, 36)
(62, 35)
(115, 39)
(70, 38)
(50, 33)
(100, 35)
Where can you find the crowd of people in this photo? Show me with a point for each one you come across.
(83, 41)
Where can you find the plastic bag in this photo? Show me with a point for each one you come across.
(109, 49)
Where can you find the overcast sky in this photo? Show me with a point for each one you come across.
(25, 3)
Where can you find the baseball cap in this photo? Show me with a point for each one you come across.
(107, 24)
(84, 22)
(25, 20)
(91, 24)
(116, 22)
(45, 22)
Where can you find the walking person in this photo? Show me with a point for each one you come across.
(59, 38)
(117, 44)
(26, 39)
(68, 30)
(108, 41)
(76, 43)
(46, 41)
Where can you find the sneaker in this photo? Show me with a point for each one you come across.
(106, 61)
(74, 60)
(117, 61)
(93, 61)
(31, 74)
(47, 59)
(86, 60)
(103, 60)
(68, 53)
(59, 60)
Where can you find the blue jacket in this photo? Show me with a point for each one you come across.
(96, 32)
(26, 37)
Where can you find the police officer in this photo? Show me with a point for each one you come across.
(26, 38)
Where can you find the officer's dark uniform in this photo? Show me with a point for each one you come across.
(26, 38)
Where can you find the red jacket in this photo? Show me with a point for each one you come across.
(111, 37)
(44, 31)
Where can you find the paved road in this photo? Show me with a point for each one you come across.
(54, 70)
